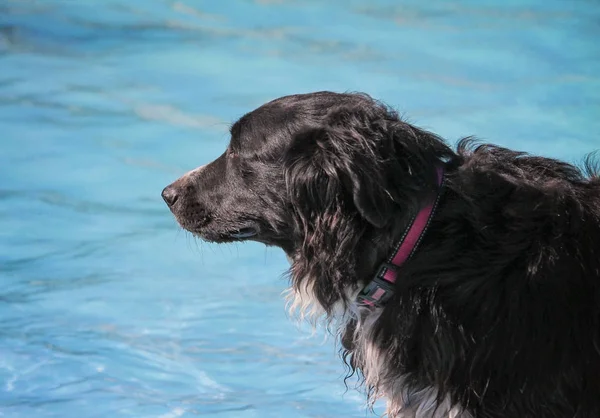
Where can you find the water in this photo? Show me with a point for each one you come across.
(107, 309)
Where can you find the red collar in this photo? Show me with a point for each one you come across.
(379, 290)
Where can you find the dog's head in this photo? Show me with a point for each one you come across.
(323, 176)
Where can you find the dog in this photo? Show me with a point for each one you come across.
(464, 282)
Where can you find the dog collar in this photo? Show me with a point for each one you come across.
(381, 288)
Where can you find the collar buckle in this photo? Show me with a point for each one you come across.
(379, 290)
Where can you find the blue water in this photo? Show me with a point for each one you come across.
(107, 308)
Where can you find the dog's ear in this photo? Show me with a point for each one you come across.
(360, 167)
(333, 199)
(334, 169)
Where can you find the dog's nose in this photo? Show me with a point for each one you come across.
(170, 195)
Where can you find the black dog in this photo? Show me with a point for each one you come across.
(496, 308)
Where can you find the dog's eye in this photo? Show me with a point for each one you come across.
(246, 173)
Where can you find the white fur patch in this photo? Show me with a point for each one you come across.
(302, 303)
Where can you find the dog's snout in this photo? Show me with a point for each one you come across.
(182, 186)
(170, 194)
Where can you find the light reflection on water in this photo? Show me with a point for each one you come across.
(106, 308)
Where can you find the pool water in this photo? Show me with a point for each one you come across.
(107, 308)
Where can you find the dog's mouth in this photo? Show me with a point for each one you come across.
(244, 233)
(214, 230)
(232, 235)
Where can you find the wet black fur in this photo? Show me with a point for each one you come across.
(500, 306)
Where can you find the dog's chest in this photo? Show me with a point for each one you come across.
(372, 356)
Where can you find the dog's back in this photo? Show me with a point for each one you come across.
(514, 254)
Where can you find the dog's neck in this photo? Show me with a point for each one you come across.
(380, 289)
